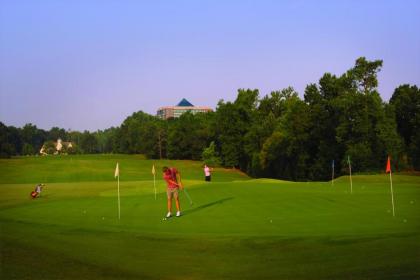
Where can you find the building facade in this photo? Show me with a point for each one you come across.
(168, 112)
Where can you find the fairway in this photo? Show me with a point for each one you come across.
(237, 228)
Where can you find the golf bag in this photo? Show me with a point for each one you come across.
(34, 194)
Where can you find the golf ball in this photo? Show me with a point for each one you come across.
(271, 221)
(103, 218)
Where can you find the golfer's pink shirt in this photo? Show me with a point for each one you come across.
(167, 176)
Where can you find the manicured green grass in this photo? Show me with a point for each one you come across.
(237, 228)
(83, 168)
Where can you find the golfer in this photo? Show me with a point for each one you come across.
(37, 191)
(207, 173)
(173, 180)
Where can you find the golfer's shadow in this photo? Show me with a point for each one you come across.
(201, 207)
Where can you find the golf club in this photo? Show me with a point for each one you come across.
(188, 196)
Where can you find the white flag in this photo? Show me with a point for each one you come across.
(117, 171)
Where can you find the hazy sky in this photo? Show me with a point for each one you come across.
(81, 64)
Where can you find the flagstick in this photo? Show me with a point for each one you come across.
(119, 206)
(154, 183)
(351, 182)
(332, 177)
(392, 194)
(154, 178)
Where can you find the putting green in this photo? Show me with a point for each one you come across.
(236, 228)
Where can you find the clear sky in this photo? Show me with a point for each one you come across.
(82, 64)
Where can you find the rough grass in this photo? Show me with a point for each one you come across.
(237, 228)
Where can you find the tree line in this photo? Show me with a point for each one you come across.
(279, 135)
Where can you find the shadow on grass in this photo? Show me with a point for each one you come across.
(201, 207)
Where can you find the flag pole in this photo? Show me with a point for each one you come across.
(332, 177)
(154, 178)
(117, 175)
(351, 181)
(119, 204)
(392, 194)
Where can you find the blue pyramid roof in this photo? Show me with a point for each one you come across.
(184, 103)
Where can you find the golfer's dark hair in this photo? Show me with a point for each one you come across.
(165, 168)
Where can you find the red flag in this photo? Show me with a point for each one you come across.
(388, 165)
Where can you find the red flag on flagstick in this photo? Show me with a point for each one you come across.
(388, 166)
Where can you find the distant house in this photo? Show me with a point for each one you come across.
(183, 106)
(59, 145)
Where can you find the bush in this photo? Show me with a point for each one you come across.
(28, 149)
(210, 156)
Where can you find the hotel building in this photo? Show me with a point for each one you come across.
(168, 112)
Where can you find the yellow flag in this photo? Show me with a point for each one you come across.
(153, 170)
(117, 171)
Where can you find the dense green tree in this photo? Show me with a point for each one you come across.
(264, 121)
(414, 151)
(187, 137)
(273, 157)
(233, 122)
(322, 147)
(109, 140)
(288, 142)
(106, 140)
(406, 101)
(10, 141)
(364, 75)
(28, 149)
(351, 131)
(88, 143)
(74, 137)
(229, 134)
(162, 139)
(389, 142)
(137, 134)
(33, 136)
(56, 133)
(210, 155)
